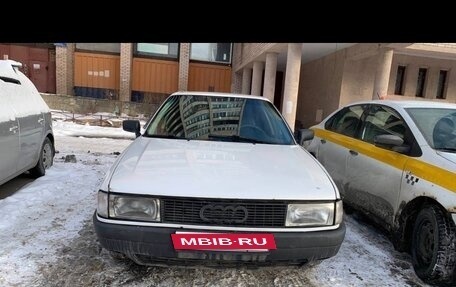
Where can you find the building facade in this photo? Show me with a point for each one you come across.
(320, 78)
(142, 72)
(305, 81)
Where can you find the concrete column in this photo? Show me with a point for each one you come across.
(290, 93)
(270, 76)
(246, 80)
(382, 75)
(257, 77)
(126, 61)
(64, 57)
(184, 60)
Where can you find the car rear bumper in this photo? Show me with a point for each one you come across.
(153, 246)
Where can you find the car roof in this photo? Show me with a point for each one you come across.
(214, 94)
(410, 104)
(7, 69)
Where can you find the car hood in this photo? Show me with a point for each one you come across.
(210, 169)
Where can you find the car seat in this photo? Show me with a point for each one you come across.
(395, 126)
(348, 126)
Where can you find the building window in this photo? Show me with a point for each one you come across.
(211, 52)
(441, 88)
(168, 50)
(99, 47)
(421, 83)
(400, 75)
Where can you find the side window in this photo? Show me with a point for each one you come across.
(382, 120)
(345, 121)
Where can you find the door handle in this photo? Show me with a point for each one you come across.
(323, 141)
(352, 152)
(14, 129)
(41, 120)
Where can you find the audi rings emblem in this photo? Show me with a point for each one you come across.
(224, 213)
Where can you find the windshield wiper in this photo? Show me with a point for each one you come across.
(447, 149)
(236, 138)
(166, 137)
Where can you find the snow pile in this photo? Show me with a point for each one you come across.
(70, 129)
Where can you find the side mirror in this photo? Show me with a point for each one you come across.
(392, 142)
(388, 140)
(305, 135)
(132, 126)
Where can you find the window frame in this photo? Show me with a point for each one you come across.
(76, 49)
(401, 89)
(442, 90)
(148, 55)
(409, 137)
(421, 88)
(214, 62)
(331, 126)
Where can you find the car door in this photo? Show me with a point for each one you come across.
(30, 121)
(9, 136)
(334, 141)
(374, 173)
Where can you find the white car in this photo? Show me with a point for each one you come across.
(218, 179)
(26, 138)
(396, 161)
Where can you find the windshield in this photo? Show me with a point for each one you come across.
(218, 118)
(437, 126)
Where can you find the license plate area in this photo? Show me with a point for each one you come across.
(234, 242)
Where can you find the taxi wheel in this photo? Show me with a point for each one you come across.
(45, 160)
(434, 246)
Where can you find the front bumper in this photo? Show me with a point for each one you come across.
(153, 246)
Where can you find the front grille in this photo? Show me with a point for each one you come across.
(219, 212)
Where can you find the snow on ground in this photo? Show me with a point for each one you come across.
(62, 128)
(45, 214)
(47, 238)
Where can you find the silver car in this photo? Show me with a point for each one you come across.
(218, 179)
(26, 139)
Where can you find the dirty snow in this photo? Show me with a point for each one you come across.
(47, 238)
(62, 128)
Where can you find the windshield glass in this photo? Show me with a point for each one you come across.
(437, 126)
(218, 118)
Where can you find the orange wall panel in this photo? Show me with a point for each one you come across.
(154, 76)
(204, 77)
(96, 70)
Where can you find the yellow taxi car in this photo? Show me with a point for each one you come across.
(396, 162)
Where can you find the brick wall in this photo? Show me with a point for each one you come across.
(247, 52)
(445, 45)
(184, 58)
(64, 57)
(126, 56)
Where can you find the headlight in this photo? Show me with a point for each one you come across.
(310, 214)
(102, 208)
(134, 208)
(339, 212)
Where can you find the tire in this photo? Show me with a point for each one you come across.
(45, 160)
(434, 246)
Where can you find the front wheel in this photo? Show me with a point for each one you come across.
(434, 246)
(45, 160)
